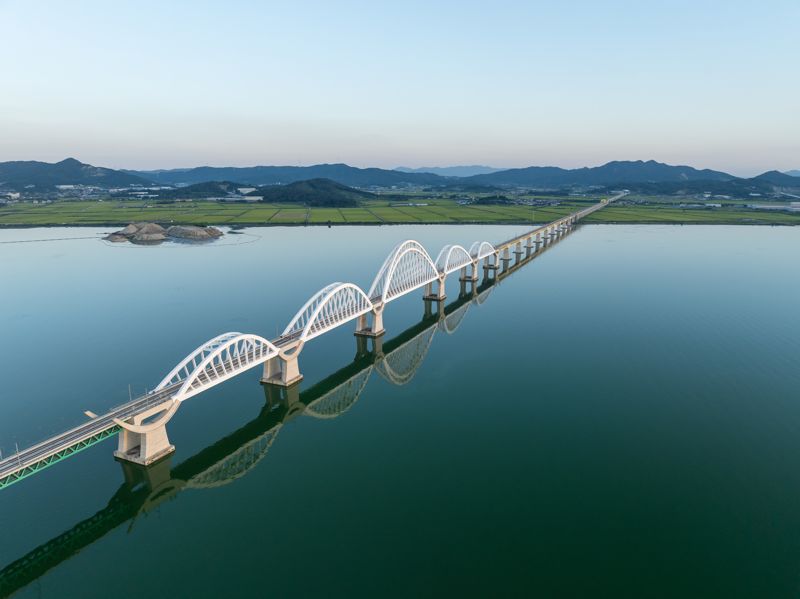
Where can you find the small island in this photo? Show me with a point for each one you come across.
(153, 233)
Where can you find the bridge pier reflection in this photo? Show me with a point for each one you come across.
(146, 487)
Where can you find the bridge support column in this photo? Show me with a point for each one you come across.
(469, 272)
(363, 329)
(439, 295)
(282, 370)
(149, 443)
(506, 258)
(518, 251)
(467, 287)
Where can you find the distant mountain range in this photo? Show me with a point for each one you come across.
(281, 175)
(793, 173)
(637, 175)
(20, 174)
(612, 173)
(451, 171)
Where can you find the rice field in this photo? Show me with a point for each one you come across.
(114, 213)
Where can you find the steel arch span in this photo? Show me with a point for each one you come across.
(216, 361)
(408, 267)
(481, 249)
(330, 307)
(452, 258)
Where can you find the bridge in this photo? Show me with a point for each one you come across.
(229, 459)
(141, 422)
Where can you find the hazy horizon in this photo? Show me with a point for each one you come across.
(154, 86)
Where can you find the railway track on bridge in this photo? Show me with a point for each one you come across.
(233, 353)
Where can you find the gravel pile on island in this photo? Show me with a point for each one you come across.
(192, 232)
(145, 233)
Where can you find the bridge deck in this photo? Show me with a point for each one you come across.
(42, 455)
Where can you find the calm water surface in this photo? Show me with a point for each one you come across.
(620, 417)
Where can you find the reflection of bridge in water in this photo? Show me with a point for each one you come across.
(396, 360)
(141, 423)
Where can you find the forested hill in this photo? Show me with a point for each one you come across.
(314, 192)
(617, 172)
(281, 175)
(44, 175)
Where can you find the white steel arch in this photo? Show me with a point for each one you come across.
(330, 307)
(451, 258)
(215, 361)
(407, 267)
(481, 249)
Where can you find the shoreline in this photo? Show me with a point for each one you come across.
(238, 226)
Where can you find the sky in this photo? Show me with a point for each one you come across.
(149, 85)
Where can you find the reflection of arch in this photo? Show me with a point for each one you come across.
(399, 366)
(407, 267)
(330, 307)
(235, 465)
(341, 398)
(451, 258)
(450, 323)
(481, 297)
(215, 361)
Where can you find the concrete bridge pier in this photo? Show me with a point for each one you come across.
(283, 370)
(467, 286)
(506, 258)
(437, 296)
(518, 251)
(489, 267)
(469, 272)
(363, 328)
(143, 442)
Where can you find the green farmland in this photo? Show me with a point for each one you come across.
(118, 213)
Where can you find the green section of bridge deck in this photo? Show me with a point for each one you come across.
(59, 447)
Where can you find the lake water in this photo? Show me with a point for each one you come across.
(619, 417)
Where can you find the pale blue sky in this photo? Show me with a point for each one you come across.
(166, 84)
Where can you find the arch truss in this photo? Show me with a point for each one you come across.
(452, 258)
(330, 307)
(481, 249)
(216, 361)
(408, 267)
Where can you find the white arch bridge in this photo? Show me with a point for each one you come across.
(141, 423)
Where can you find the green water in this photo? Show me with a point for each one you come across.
(619, 417)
